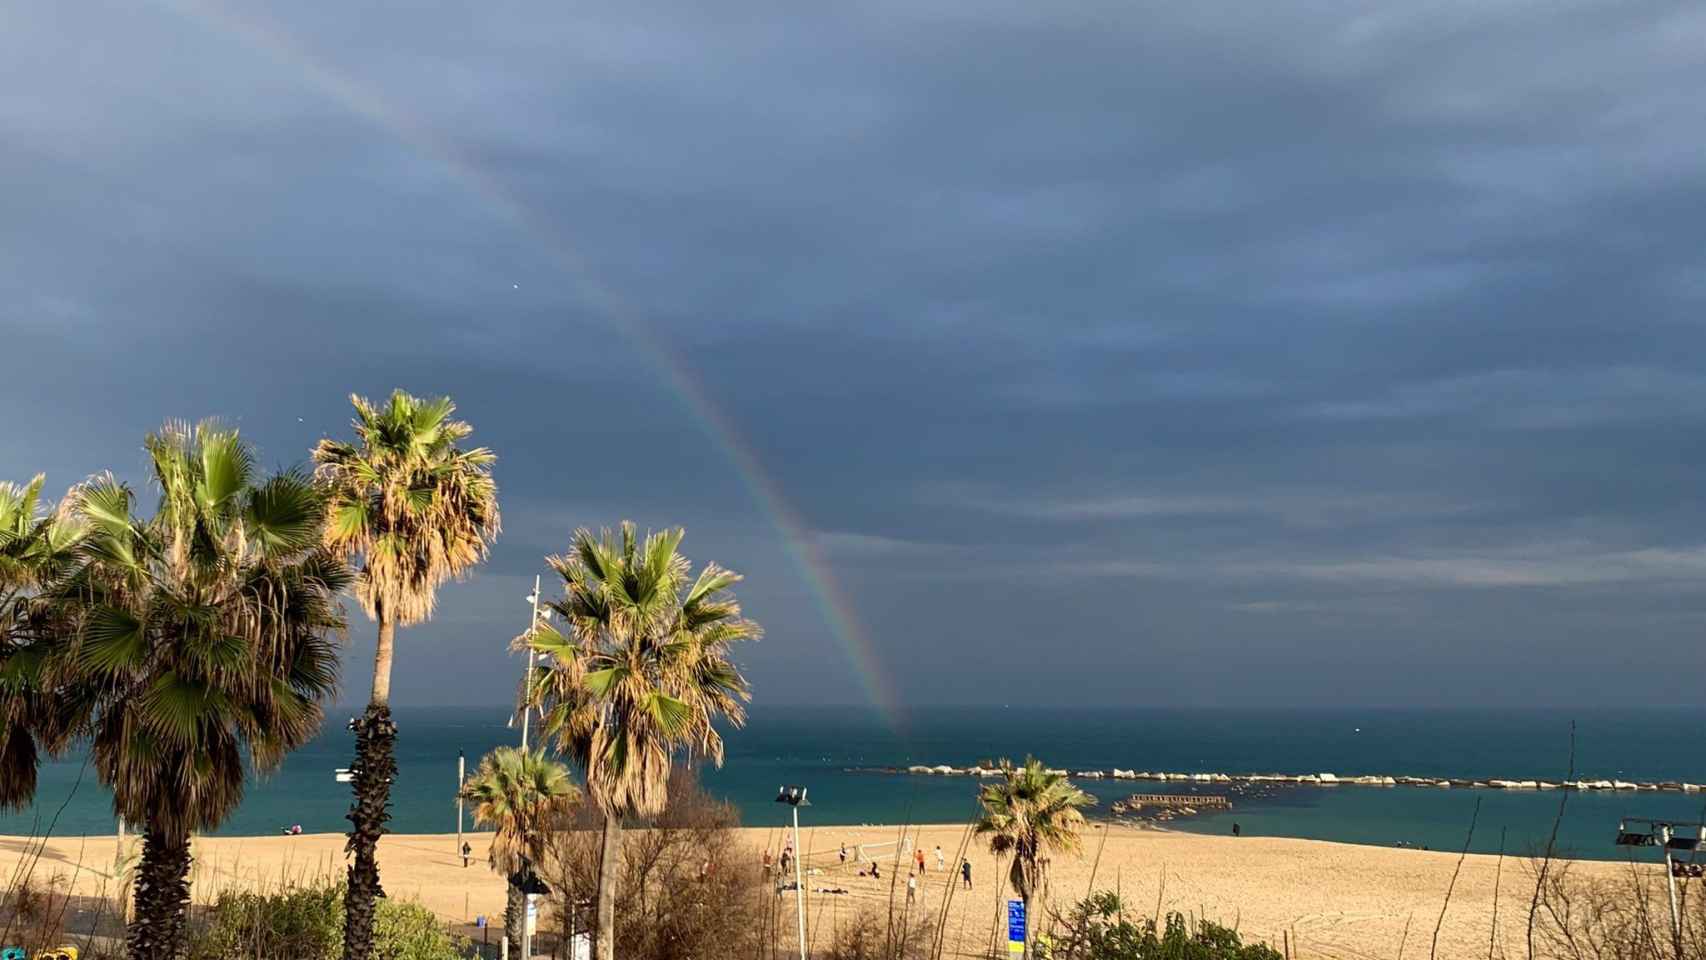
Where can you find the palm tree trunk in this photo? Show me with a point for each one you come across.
(382, 661)
(515, 916)
(162, 896)
(608, 867)
(1027, 900)
(375, 768)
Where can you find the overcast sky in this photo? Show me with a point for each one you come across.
(1154, 353)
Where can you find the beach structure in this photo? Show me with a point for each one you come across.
(1672, 839)
(795, 798)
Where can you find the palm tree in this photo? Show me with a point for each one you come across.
(521, 795)
(184, 647)
(416, 510)
(1030, 812)
(36, 549)
(643, 671)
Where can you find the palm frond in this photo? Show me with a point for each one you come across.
(177, 645)
(641, 669)
(413, 509)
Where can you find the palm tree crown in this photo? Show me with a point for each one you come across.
(203, 631)
(416, 508)
(37, 548)
(36, 545)
(183, 648)
(1029, 812)
(519, 794)
(644, 668)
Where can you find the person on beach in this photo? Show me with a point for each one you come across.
(466, 850)
(918, 855)
(767, 861)
(911, 888)
(844, 853)
(1237, 830)
(965, 873)
(940, 863)
(876, 871)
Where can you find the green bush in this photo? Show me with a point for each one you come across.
(408, 931)
(1092, 930)
(307, 923)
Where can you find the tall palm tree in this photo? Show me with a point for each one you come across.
(1030, 812)
(37, 547)
(184, 646)
(642, 672)
(521, 795)
(416, 510)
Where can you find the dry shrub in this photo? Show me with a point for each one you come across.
(1626, 917)
(32, 914)
(687, 889)
(869, 936)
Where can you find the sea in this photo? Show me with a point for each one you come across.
(837, 753)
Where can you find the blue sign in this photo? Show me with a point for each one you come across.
(1016, 926)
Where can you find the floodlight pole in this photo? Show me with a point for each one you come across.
(800, 887)
(526, 715)
(461, 779)
(795, 797)
(527, 681)
(1670, 887)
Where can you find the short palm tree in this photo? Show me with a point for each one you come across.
(186, 647)
(1030, 812)
(37, 548)
(642, 672)
(415, 510)
(520, 795)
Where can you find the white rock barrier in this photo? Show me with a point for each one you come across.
(1325, 779)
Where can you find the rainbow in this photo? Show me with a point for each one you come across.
(837, 612)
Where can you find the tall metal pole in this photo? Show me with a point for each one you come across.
(1670, 886)
(461, 778)
(526, 715)
(527, 682)
(799, 884)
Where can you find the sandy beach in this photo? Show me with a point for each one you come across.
(1328, 899)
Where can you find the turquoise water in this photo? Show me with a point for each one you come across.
(817, 746)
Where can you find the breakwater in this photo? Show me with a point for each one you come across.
(1311, 779)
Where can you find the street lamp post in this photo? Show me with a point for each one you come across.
(1690, 837)
(527, 679)
(795, 797)
(526, 714)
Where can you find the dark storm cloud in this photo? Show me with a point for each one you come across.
(1280, 352)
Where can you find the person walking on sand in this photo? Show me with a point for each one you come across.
(844, 853)
(940, 863)
(918, 855)
(876, 870)
(911, 888)
(466, 850)
(965, 872)
(767, 861)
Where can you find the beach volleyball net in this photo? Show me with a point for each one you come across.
(889, 850)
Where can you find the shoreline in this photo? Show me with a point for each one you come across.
(1326, 898)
